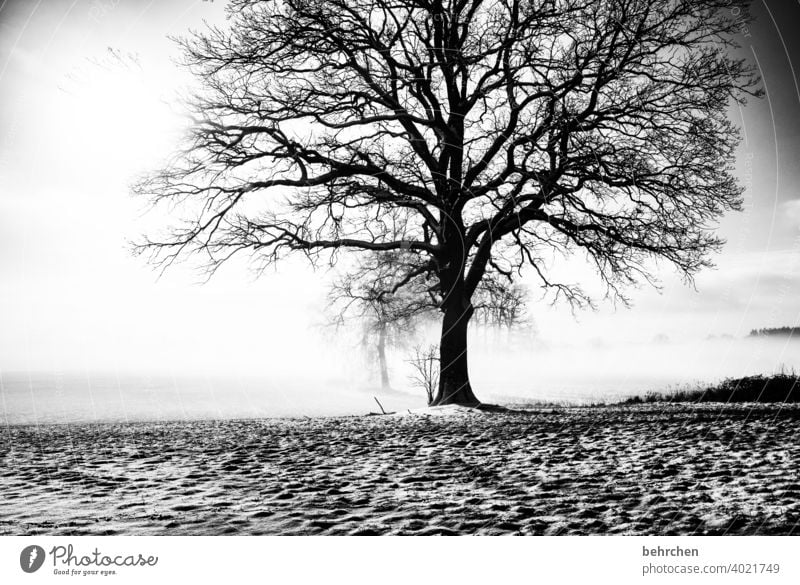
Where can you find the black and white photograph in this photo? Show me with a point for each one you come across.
(399, 267)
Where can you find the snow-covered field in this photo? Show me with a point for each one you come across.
(647, 469)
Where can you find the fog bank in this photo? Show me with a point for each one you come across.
(343, 381)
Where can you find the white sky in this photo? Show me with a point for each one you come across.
(73, 134)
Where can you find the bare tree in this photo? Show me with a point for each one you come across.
(388, 310)
(425, 370)
(476, 136)
(374, 294)
(498, 303)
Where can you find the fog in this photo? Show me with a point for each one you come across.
(602, 373)
(341, 381)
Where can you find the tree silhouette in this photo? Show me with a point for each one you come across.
(477, 137)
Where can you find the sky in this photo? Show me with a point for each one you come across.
(86, 94)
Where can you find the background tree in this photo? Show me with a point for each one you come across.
(479, 136)
(389, 311)
(376, 293)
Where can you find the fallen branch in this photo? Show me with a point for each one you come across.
(379, 404)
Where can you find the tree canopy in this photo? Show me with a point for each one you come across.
(474, 138)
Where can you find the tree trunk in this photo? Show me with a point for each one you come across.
(382, 360)
(454, 386)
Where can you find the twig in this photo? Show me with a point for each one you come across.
(379, 404)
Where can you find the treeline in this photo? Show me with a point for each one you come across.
(776, 332)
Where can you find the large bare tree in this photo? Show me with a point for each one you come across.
(475, 136)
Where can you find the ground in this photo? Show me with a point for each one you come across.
(635, 469)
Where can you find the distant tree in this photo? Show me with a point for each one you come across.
(475, 136)
(387, 309)
(498, 303)
(374, 294)
(776, 332)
